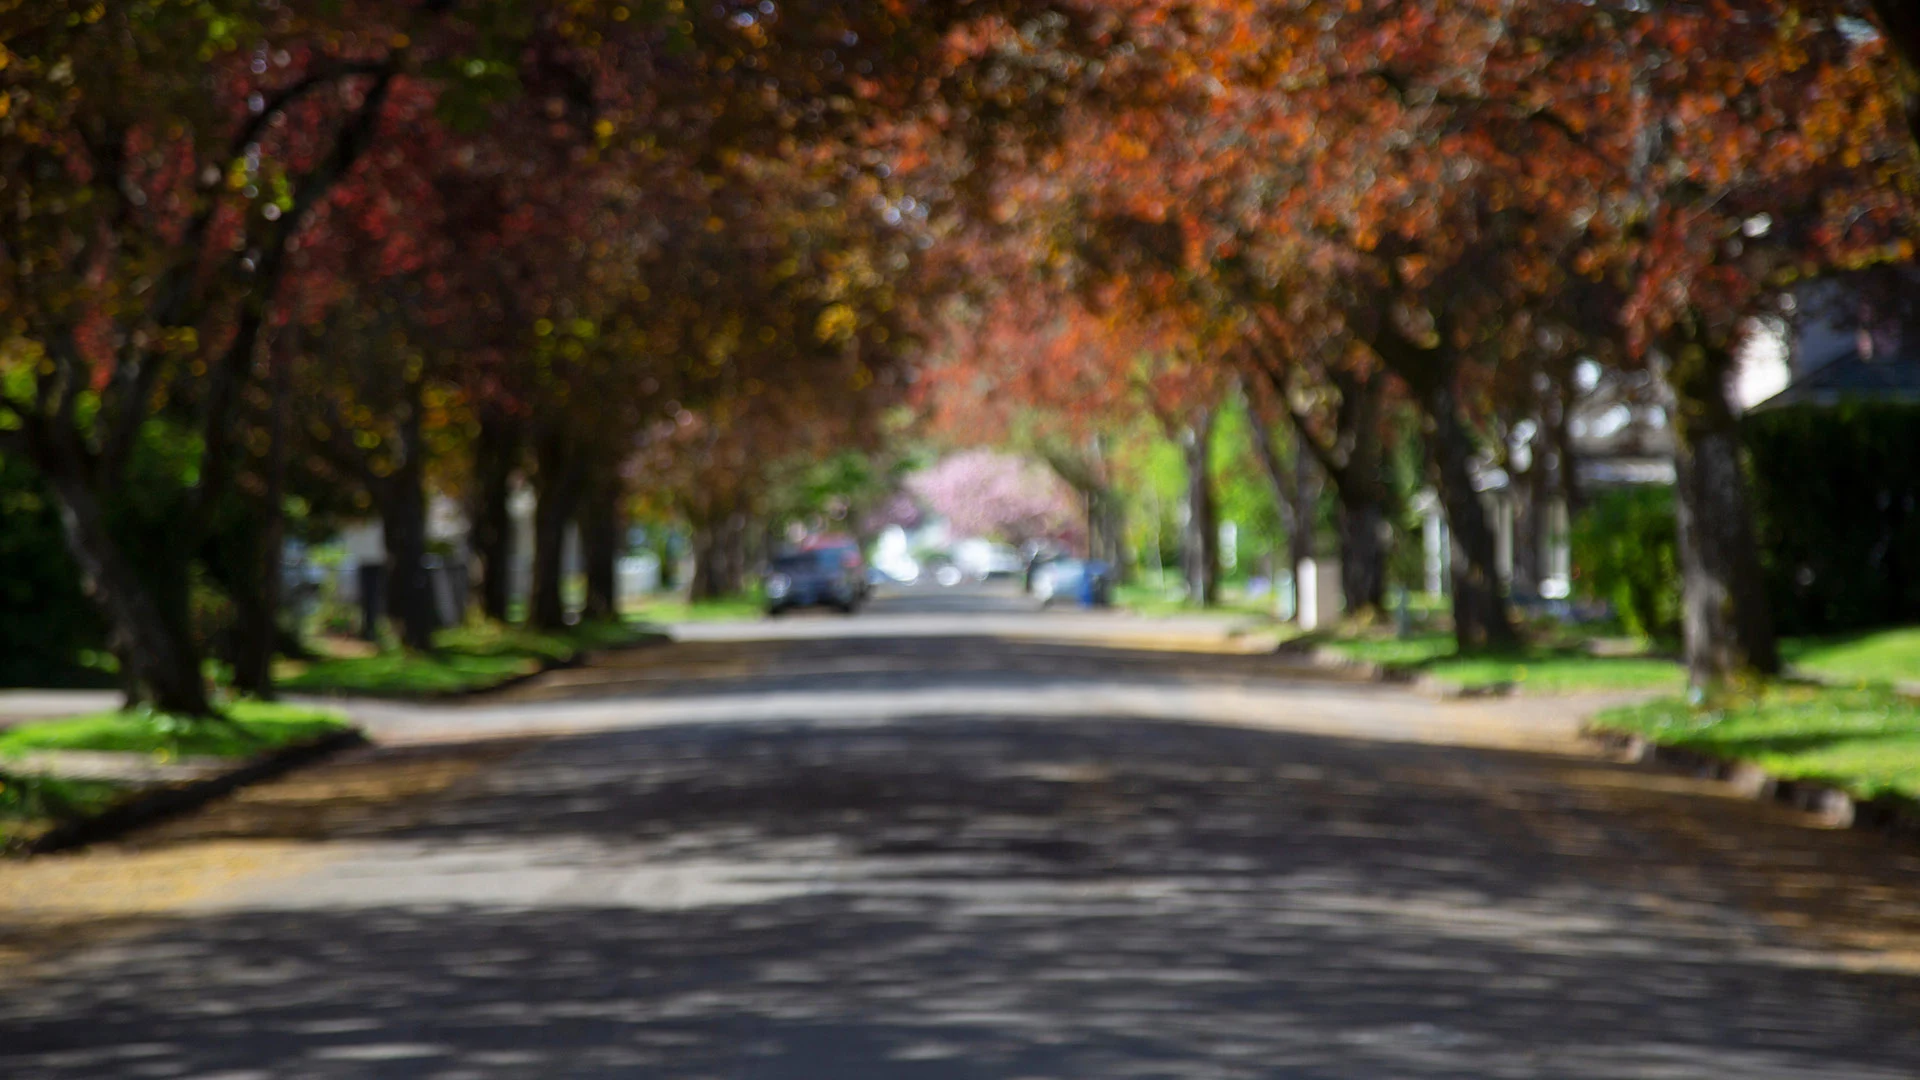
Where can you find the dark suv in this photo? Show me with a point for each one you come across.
(830, 577)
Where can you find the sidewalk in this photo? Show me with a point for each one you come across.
(18, 706)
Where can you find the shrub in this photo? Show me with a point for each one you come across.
(1626, 552)
(1837, 500)
(46, 625)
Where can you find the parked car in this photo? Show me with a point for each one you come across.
(824, 577)
(1074, 581)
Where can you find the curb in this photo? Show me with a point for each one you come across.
(164, 802)
(1326, 658)
(651, 639)
(1833, 806)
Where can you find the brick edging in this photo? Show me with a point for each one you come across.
(164, 802)
(1832, 805)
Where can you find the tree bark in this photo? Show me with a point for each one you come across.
(403, 521)
(1480, 616)
(1481, 619)
(1363, 557)
(260, 620)
(1530, 492)
(560, 471)
(718, 554)
(664, 549)
(1201, 547)
(1304, 491)
(496, 454)
(1726, 624)
(601, 529)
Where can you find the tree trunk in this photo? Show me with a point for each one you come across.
(260, 619)
(1286, 484)
(159, 663)
(665, 549)
(706, 552)
(1108, 515)
(403, 520)
(1480, 616)
(496, 453)
(1726, 624)
(559, 474)
(1363, 557)
(601, 529)
(1529, 505)
(1201, 547)
(1304, 493)
(715, 554)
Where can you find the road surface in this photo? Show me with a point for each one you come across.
(957, 854)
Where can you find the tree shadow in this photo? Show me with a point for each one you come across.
(984, 897)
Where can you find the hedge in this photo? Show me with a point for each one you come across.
(1837, 498)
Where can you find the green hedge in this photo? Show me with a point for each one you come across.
(1837, 494)
(1627, 553)
(46, 624)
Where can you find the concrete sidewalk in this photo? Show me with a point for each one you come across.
(18, 706)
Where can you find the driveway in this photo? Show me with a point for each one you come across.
(969, 856)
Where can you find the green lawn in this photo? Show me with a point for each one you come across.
(672, 609)
(1412, 651)
(1866, 741)
(465, 659)
(1880, 656)
(250, 727)
(1560, 673)
(1144, 597)
(30, 805)
(1541, 669)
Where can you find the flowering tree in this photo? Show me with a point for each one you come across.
(984, 493)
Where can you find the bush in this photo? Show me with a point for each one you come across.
(47, 625)
(1837, 500)
(1626, 553)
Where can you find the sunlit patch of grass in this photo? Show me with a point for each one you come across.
(1866, 741)
(1563, 673)
(247, 727)
(1410, 651)
(464, 659)
(1880, 656)
(1547, 669)
(673, 609)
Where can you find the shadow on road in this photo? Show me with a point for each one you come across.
(986, 897)
(830, 663)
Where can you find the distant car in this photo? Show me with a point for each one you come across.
(982, 560)
(825, 577)
(1073, 581)
(850, 555)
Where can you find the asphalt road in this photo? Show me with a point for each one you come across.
(959, 854)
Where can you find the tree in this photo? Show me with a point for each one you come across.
(985, 493)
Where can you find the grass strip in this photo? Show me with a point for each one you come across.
(465, 659)
(1865, 741)
(250, 727)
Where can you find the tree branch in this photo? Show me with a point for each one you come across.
(231, 371)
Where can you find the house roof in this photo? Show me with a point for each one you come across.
(1853, 376)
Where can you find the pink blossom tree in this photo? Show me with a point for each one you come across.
(984, 493)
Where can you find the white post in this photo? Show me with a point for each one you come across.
(1317, 593)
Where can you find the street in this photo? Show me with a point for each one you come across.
(956, 850)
